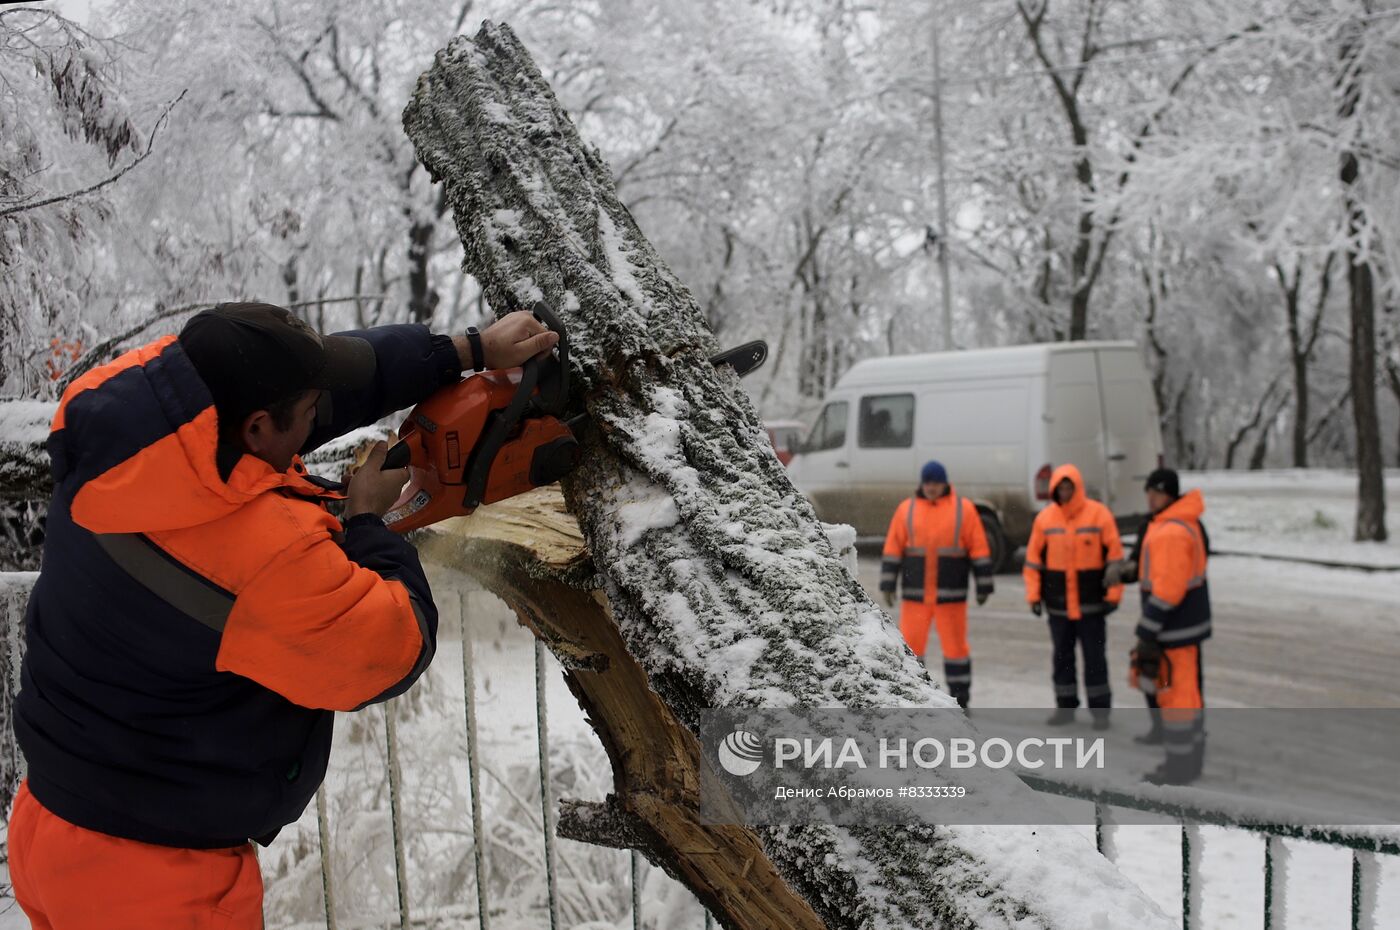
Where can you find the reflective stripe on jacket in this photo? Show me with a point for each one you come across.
(1070, 546)
(194, 625)
(1175, 595)
(951, 530)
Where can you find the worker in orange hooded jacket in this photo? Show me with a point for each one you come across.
(937, 522)
(1176, 619)
(201, 615)
(1072, 542)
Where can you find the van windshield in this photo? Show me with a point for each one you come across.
(829, 432)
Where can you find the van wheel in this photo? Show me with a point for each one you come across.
(996, 541)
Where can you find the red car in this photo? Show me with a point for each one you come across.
(785, 435)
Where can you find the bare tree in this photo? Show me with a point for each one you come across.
(1302, 341)
(1370, 500)
(1251, 424)
(1094, 231)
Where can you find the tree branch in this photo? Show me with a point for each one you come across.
(1326, 418)
(298, 66)
(1323, 287)
(73, 195)
(344, 75)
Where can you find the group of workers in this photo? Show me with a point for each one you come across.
(1075, 570)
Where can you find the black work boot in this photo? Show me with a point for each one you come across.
(961, 693)
(1061, 717)
(1169, 774)
(1154, 736)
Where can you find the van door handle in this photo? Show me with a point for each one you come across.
(843, 464)
(1118, 456)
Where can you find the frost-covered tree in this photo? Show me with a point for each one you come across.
(66, 136)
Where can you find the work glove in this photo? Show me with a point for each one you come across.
(1147, 660)
(889, 598)
(1119, 572)
(1037, 608)
(982, 597)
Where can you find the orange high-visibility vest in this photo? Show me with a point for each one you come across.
(1071, 544)
(948, 529)
(1175, 596)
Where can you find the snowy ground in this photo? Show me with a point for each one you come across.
(1287, 636)
(1307, 514)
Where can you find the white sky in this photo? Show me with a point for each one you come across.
(79, 11)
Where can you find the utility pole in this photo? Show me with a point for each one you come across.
(943, 228)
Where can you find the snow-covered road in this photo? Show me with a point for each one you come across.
(1286, 635)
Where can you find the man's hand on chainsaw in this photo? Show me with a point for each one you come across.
(509, 342)
(372, 490)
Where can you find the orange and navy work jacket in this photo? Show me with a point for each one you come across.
(200, 616)
(1071, 544)
(1175, 596)
(933, 549)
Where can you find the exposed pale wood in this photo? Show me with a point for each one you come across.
(530, 553)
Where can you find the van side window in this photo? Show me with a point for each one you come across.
(830, 429)
(887, 421)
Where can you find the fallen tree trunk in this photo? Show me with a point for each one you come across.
(530, 553)
(24, 458)
(721, 587)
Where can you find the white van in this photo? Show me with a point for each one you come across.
(1000, 420)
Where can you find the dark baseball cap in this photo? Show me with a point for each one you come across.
(251, 355)
(1164, 480)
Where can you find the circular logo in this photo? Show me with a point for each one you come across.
(741, 753)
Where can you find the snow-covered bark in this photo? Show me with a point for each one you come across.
(24, 462)
(724, 587)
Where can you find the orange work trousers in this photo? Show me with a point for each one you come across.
(915, 618)
(1181, 690)
(1182, 709)
(69, 878)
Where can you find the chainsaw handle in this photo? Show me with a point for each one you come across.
(554, 386)
(398, 456)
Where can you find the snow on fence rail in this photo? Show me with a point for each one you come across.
(1193, 811)
(1185, 807)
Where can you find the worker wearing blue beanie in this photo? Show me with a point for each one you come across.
(940, 521)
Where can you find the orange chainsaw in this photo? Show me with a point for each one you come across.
(497, 434)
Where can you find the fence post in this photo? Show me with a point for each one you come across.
(324, 832)
(483, 916)
(1190, 872)
(1365, 887)
(14, 596)
(1275, 878)
(636, 864)
(391, 737)
(546, 793)
(1105, 831)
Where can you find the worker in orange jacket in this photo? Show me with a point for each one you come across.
(935, 543)
(201, 615)
(1072, 542)
(1176, 619)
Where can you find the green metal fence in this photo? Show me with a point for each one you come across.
(1192, 812)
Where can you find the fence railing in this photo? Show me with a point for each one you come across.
(406, 918)
(1186, 808)
(1192, 812)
